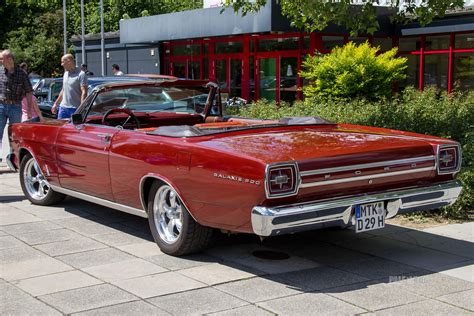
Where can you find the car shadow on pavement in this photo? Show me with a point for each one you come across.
(12, 198)
(332, 261)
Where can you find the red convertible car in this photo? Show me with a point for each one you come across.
(167, 151)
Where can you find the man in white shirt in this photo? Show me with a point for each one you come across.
(116, 70)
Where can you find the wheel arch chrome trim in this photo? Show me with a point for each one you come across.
(166, 181)
(97, 200)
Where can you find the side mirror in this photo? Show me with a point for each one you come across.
(76, 118)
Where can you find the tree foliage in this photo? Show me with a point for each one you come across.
(33, 29)
(313, 15)
(353, 71)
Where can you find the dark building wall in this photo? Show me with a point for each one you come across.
(132, 58)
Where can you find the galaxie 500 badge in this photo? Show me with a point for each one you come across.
(236, 178)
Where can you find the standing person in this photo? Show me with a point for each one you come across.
(24, 67)
(84, 68)
(35, 113)
(14, 85)
(116, 70)
(74, 90)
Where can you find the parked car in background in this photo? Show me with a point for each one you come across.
(47, 90)
(34, 78)
(142, 148)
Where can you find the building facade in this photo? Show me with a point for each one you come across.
(260, 55)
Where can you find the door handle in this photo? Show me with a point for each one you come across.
(105, 137)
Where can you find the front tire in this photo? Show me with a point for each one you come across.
(34, 184)
(172, 227)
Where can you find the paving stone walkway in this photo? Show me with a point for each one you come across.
(84, 259)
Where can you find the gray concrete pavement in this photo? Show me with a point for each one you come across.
(80, 258)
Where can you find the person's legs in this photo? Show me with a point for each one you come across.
(3, 122)
(65, 113)
(14, 113)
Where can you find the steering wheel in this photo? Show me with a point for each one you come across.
(121, 110)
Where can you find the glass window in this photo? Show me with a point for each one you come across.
(235, 78)
(148, 98)
(206, 49)
(56, 90)
(436, 71)
(358, 40)
(437, 42)
(329, 42)
(464, 40)
(229, 47)
(385, 44)
(267, 78)
(306, 42)
(288, 78)
(194, 70)
(412, 72)
(179, 69)
(205, 65)
(186, 50)
(221, 73)
(409, 44)
(270, 45)
(252, 79)
(463, 75)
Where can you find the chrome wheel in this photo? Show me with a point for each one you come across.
(35, 183)
(168, 214)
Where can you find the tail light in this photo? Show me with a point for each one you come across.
(282, 180)
(448, 159)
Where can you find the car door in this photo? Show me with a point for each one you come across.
(82, 153)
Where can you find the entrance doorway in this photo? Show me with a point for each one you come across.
(277, 78)
(229, 76)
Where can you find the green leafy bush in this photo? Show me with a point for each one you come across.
(427, 112)
(353, 71)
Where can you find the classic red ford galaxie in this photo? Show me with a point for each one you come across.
(167, 151)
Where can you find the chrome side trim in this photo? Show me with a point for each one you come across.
(368, 165)
(96, 200)
(155, 176)
(372, 176)
(286, 219)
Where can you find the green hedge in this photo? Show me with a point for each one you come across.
(429, 112)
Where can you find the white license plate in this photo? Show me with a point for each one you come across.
(369, 216)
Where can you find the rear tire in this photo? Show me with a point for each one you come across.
(172, 227)
(34, 184)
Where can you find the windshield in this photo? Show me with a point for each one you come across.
(151, 99)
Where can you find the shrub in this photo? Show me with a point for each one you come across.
(353, 71)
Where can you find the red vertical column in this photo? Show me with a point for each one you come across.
(450, 62)
(422, 63)
(245, 82)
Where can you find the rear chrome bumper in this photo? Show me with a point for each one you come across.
(268, 221)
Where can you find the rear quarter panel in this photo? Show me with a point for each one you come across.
(218, 188)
